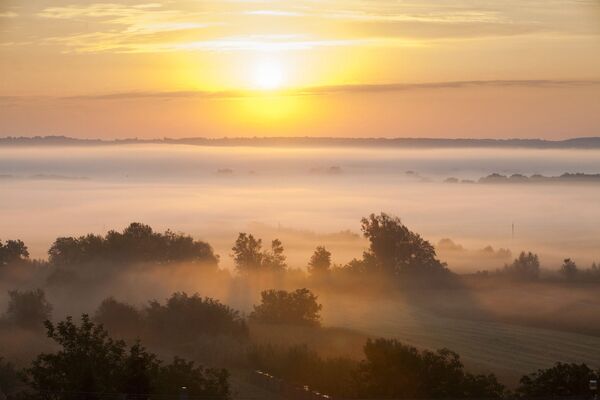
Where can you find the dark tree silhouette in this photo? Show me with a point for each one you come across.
(27, 309)
(120, 319)
(560, 380)
(10, 379)
(138, 243)
(281, 307)
(320, 262)
(249, 256)
(525, 267)
(90, 364)
(13, 252)
(394, 249)
(394, 371)
(184, 317)
(569, 269)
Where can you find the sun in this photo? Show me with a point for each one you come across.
(268, 75)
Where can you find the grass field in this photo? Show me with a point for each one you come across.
(509, 350)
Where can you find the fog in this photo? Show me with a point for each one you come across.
(304, 196)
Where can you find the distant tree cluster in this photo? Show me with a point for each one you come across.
(526, 267)
(293, 308)
(249, 256)
(137, 243)
(27, 309)
(13, 252)
(182, 318)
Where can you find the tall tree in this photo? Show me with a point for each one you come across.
(320, 261)
(395, 249)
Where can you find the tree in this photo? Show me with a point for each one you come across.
(119, 318)
(184, 317)
(525, 267)
(89, 364)
(394, 249)
(249, 257)
(281, 307)
(275, 259)
(247, 253)
(10, 380)
(394, 370)
(28, 309)
(569, 269)
(559, 380)
(13, 252)
(320, 261)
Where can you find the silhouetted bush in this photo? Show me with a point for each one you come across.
(184, 318)
(391, 370)
(90, 363)
(120, 319)
(27, 309)
(10, 380)
(137, 243)
(281, 307)
(560, 380)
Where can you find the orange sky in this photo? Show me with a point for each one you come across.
(477, 68)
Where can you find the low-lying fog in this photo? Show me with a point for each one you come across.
(306, 197)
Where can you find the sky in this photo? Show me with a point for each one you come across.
(367, 68)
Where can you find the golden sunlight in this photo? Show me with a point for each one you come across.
(268, 75)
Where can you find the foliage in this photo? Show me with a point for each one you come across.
(10, 381)
(394, 370)
(320, 261)
(90, 362)
(281, 307)
(137, 243)
(391, 370)
(394, 249)
(27, 309)
(525, 267)
(249, 256)
(184, 317)
(569, 269)
(560, 380)
(120, 319)
(13, 252)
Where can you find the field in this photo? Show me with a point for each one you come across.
(507, 349)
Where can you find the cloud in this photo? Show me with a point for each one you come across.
(326, 90)
(8, 14)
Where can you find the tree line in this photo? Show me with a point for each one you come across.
(394, 251)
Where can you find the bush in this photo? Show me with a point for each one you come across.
(120, 319)
(90, 363)
(393, 370)
(28, 309)
(184, 318)
(281, 307)
(560, 380)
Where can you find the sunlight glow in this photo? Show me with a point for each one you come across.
(268, 75)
